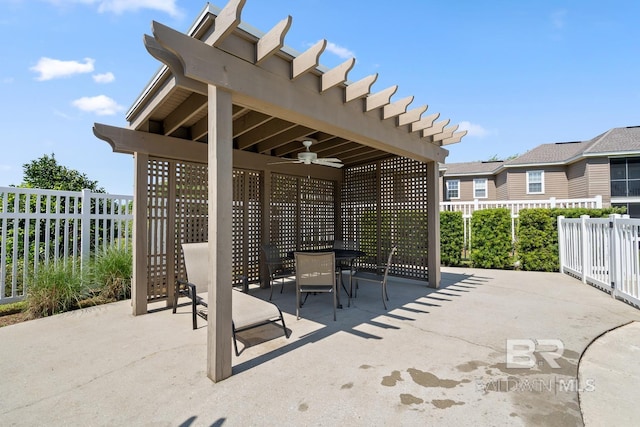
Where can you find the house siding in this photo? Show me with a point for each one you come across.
(555, 183)
(577, 179)
(598, 179)
(502, 190)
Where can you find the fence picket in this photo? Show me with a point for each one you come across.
(610, 252)
(67, 225)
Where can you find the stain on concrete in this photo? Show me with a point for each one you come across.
(556, 418)
(346, 386)
(470, 366)
(391, 380)
(303, 407)
(427, 379)
(366, 366)
(513, 415)
(445, 403)
(409, 399)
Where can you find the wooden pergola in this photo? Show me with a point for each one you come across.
(227, 104)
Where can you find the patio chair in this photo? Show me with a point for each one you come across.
(247, 311)
(380, 277)
(315, 273)
(276, 266)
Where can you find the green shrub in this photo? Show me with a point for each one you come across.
(111, 272)
(537, 245)
(537, 234)
(55, 288)
(451, 237)
(491, 245)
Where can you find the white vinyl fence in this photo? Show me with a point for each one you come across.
(603, 252)
(467, 209)
(42, 226)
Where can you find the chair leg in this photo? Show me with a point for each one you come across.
(235, 341)
(335, 303)
(194, 307)
(384, 291)
(176, 293)
(270, 286)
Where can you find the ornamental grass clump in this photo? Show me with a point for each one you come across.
(112, 272)
(55, 288)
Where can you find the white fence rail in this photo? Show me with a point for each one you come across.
(41, 226)
(603, 252)
(467, 209)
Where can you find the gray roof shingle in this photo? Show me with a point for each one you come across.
(471, 168)
(616, 139)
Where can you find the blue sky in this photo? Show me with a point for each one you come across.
(516, 74)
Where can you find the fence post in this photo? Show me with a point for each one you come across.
(561, 243)
(552, 202)
(598, 202)
(584, 246)
(85, 229)
(614, 254)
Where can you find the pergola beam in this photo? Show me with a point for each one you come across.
(273, 41)
(227, 21)
(269, 93)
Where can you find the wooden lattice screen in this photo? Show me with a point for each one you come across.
(158, 173)
(302, 212)
(181, 188)
(385, 204)
(247, 224)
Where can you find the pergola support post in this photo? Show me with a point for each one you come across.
(433, 225)
(139, 285)
(220, 160)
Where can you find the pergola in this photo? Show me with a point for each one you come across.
(208, 134)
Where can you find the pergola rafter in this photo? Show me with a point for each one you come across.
(228, 98)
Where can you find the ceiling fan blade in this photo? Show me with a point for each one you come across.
(325, 163)
(330, 159)
(285, 161)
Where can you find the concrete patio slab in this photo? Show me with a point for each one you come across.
(436, 357)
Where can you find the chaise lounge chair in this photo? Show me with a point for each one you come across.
(247, 311)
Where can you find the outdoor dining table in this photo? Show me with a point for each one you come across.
(349, 255)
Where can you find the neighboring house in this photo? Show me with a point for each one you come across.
(607, 165)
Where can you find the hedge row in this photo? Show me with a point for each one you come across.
(536, 246)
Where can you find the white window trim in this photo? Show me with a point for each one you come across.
(541, 182)
(486, 188)
(447, 186)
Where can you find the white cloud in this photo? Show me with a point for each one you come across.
(102, 105)
(339, 51)
(7, 80)
(104, 78)
(473, 129)
(54, 68)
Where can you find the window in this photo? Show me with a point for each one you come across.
(480, 188)
(535, 182)
(625, 177)
(453, 189)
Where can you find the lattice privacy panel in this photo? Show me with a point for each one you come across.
(247, 224)
(317, 213)
(191, 209)
(157, 227)
(302, 213)
(181, 188)
(360, 211)
(385, 204)
(283, 215)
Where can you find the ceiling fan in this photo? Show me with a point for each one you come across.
(308, 157)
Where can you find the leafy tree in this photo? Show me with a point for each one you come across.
(46, 173)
